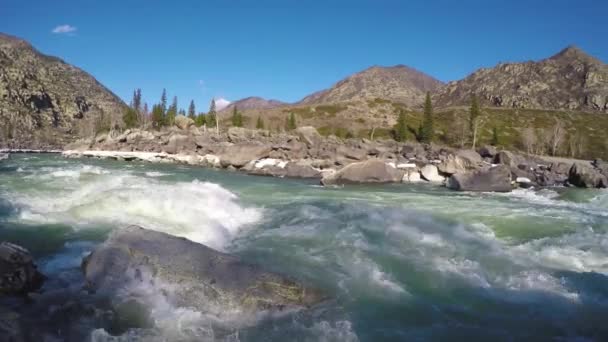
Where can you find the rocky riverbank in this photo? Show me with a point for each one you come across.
(304, 153)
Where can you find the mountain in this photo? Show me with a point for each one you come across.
(570, 80)
(255, 102)
(399, 83)
(45, 101)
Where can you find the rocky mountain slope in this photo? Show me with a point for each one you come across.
(47, 102)
(254, 102)
(570, 80)
(399, 83)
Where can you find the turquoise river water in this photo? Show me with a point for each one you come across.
(400, 262)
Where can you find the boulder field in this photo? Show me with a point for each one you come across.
(304, 153)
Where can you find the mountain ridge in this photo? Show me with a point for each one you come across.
(397, 83)
(568, 80)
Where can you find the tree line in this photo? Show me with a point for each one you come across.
(464, 133)
(163, 115)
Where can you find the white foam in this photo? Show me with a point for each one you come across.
(156, 174)
(200, 211)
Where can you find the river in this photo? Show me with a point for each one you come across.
(400, 262)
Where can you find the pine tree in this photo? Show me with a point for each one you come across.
(401, 127)
(291, 122)
(171, 113)
(163, 101)
(130, 118)
(136, 102)
(426, 129)
(260, 123)
(211, 115)
(237, 118)
(192, 110)
(157, 116)
(200, 120)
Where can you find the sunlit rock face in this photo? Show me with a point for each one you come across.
(47, 102)
(570, 80)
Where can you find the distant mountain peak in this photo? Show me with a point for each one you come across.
(398, 83)
(573, 52)
(255, 102)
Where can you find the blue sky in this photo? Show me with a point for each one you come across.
(286, 49)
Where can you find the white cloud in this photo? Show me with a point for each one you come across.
(64, 29)
(221, 103)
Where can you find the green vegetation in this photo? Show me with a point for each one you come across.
(237, 118)
(200, 120)
(426, 130)
(322, 111)
(158, 116)
(130, 118)
(192, 110)
(211, 117)
(401, 127)
(260, 123)
(171, 113)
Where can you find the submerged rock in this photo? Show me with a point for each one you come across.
(18, 274)
(4, 156)
(10, 328)
(189, 274)
(369, 171)
(496, 179)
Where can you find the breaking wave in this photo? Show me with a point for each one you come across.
(82, 196)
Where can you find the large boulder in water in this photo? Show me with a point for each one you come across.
(189, 274)
(496, 179)
(369, 171)
(585, 176)
(18, 274)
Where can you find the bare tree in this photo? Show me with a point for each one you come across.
(478, 123)
(576, 144)
(557, 136)
(529, 140)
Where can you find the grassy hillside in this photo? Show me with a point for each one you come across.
(358, 119)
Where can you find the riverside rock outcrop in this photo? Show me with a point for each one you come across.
(304, 153)
(189, 274)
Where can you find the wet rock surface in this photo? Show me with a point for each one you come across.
(18, 273)
(188, 274)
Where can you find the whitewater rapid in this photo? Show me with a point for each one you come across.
(402, 262)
